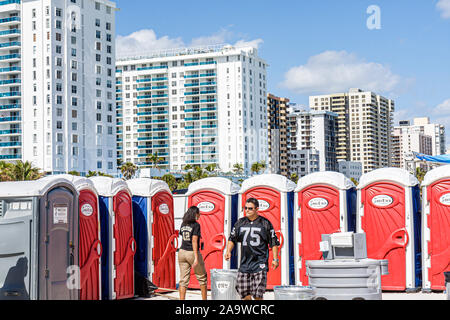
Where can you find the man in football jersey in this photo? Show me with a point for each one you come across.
(256, 234)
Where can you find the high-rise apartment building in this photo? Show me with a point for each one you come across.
(194, 106)
(278, 153)
(435, 131)
(57, 63)
(365, 123)
(315, 131)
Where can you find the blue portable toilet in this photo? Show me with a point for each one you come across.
(39, 240)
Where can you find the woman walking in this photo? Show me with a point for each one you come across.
(189, 255)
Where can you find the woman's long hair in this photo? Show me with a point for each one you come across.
(190, 216)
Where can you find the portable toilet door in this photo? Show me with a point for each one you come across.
(90, 248)
(389, 214)
(38, 240)
(436, 228)
(217, 199)
(325, 203)
(153, 213)
(116, 229)
(275, 194)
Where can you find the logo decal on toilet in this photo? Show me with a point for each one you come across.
(318, 203)
(263, 205)
(87, 210)
(206, 206)
(445, 199)
(382, 200)
(164, 208)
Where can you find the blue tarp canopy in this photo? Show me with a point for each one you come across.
(445, 158)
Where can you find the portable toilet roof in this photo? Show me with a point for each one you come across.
(223, 185)
(332, 178)
(80, 183)
(145, 187)
(389, 174)
(277, 181)
(108, 187)
(29, 188)
(436, 174)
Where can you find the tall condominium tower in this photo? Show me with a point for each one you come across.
(278, 153)
(194, 106)
(364, 126)
(57, 86)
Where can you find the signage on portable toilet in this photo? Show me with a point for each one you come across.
(436, 228)
(275, 194)
(90, 248)
(38, 240)
(325, 203)
(116, 229)
(389, 214)
(217, 200)
(153, 213)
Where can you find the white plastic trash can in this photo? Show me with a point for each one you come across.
(293, 293)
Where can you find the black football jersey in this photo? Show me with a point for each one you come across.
(255, 238)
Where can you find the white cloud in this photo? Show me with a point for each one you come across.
(146, 40)
(337, 71)
(442, 108)
(444, 7)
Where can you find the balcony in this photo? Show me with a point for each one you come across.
(10, 144)
(161, 146)
(10, 57)
(10, 132)
(11, 157)
(8, 21)
(10, 119)
(10, 45)
(152, 68)
(7, 33)
(10, 95)
(10, 82)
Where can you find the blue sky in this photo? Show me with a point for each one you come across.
(310, 44)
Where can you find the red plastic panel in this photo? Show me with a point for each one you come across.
(439, 225)
(163, 230)
(212, 210)
(320, 214)
(386, 235)
(90, 246)
(125, 246)
(273, 214)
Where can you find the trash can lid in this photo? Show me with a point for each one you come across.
(335, 179)
(395, 175)
(146, 187)
(33, 188)
(275, 181)
(220, 184)
(436, 174)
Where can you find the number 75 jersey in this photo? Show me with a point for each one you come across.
(255, 238)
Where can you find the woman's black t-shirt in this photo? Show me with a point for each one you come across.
(187, 231)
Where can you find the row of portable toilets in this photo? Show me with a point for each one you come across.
(68, 237)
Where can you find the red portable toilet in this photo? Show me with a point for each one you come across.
(154, 231)
(325, 203)
(389, 214)
(116, 230)
(217, 199)
(275, 194)
(90, 248)
(436, 228)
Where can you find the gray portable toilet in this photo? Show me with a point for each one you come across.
(39, 240)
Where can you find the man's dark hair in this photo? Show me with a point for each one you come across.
(253, 201)
(191, 215)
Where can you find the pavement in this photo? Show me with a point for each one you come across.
(269, 295)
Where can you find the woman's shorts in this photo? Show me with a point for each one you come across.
(185, 261)
(253, 284)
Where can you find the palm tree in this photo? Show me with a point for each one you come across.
(355, 182)
(294, 177)
(5, 171)
(263, 165)
(128, 170)
(211, 168)
(155, 160)
(170, 180)
(91, 174)
(238, 168)
(74, 173)
(420, 174)
(23, 171)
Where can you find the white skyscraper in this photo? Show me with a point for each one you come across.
(57, 84)
(195, 106)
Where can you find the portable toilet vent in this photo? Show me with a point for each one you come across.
(325, 203)
(154, 231)
(436, 228)
(389, 212)
(116, 229)
(275, 194)
(217, 199)
(39, 240)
